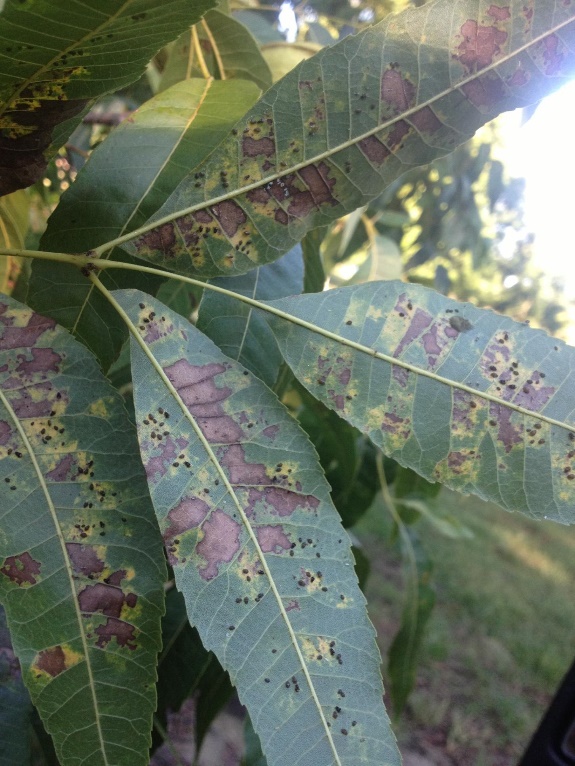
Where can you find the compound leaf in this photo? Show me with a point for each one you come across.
(81, 569)
(57, 57)
(332, 133)
(461, 395)
(257, 548)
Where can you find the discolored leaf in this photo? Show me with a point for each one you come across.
(239, 54)
(81, 568)
(59, 56)
(167, 137)
(333, 132)
(461, 395)
(237, 329)
(257, 548)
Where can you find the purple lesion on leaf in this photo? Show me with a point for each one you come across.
(499, 13)
(107, 598)
(65, 470)
(480, 45)
(84, 559)
(552, 55)
(230, 216)
(319, 184)
(5, 432)
(458, 461)
(21, 569)
(12, 337)
(43, 360)
(273, 539)
(51, 661)
(487, 90)
(507, 432)
(280, 501)
(338, 400)
(344, 376)
(392, 423)
(463, 405)
(374, 150)
(271, 432)
(157, 329)
(34, 402)
(292, 604)
(396, 90)
(159, 464)
(400, 375)
(239, 471)
(430, 343)
(532, 395)
(122, 631)
(219, 544)
(425, 120)
(419, 322)
(196, 385)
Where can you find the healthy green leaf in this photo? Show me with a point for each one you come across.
(327, 137)
(238, 51)
(167, 137)
(256, 545)
(59, 56)
(15, 705)
(81, 567)
(461, 395)
(237, 329)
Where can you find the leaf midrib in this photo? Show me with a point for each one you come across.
(68, 568)
(330, 151)
(213, 459)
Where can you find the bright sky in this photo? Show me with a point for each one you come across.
(543, 152)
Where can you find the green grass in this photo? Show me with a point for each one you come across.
(500, 638)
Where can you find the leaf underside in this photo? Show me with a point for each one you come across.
(81, 569)
(475, 400)
(59, 56)
(257, 547)
(331, 134)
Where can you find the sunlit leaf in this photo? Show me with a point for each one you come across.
(13, 227)
(331, 134)
(81, 569)
(167, 137)
(57, 57)
(257, 547)
(461, 395)
(237, 329)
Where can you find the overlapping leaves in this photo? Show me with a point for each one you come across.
(59, 56)
(81, 568)
(329, 135)
(256, 546)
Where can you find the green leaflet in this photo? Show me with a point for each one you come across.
(333, 132)
(59, 56)
(168, 136)
(14, 210)
(236, 46)
(241, 332)
(81, 569)
(461, 395)
(257, 547)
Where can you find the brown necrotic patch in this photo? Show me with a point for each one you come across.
(425, 120)
(123, 632)
(230, 216)
(485, 91)
(374, 150)
(255, 147)
(197, 387)
(508, 433)
(43, 360)
(21, 569)
(105, 598)
(51, 661)
(14, 336)
(499, 13)
(396, 90)
(162, 240)
(65, 470)
(219, 544)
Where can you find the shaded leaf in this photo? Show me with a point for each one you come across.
(327, 137)
(238, 51)
(13, 227)
(253, 755)
(237, 329)
(461, 395)
(59, 56)
(419, 603)
(262, 24)
(81, 569)
(314, 275)
(282, 57)
(257, 548)
(15, 705)
(186, 668)
(167, 137)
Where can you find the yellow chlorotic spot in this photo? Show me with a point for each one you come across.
(374, 313)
